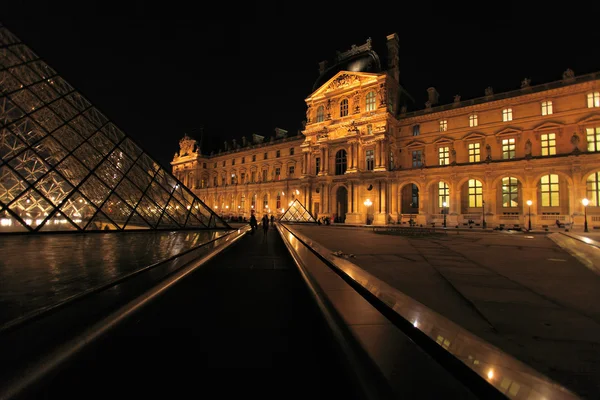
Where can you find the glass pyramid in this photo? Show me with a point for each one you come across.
(297, 213)
(65, 167)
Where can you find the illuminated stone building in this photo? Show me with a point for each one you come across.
(364, 156)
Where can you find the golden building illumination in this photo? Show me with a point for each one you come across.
(472, 162)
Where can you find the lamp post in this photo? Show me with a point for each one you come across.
(368, 204)
(444, 204)
(529, 203)
(585, 204)
(483, 224)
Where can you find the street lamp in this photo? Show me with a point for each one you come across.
(368, 203)
(483, 224)
(585, 204)
(529, 203)
(444, 204)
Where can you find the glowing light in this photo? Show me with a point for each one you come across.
(416, 324)
(368, 202)
(444, 204)
(585, 202)
(297, 191)
(291, 202)
(529, 203)
(490, 374)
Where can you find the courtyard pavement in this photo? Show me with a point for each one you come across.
(535, 295)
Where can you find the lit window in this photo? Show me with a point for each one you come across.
(340, 162)
(475, 193)
(593, 187)
(473, 120)
(233, 179)
(593, 138)
(278, 203)
(593, 99)
(510, 192)
(443, 125)
(444, 155)
(416, 130)
(474, 152)
(320, 114)
(416, 158)
(507, 114)
(443, 194)
(508, 148)
(546, 108)
(549, 190)
(243, 202)
(344, 108)
(370, 129)
(370, 101)
(548, 144)
(370, 159)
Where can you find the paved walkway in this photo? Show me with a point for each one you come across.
(521, 292)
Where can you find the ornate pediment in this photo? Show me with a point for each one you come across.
(548, 126)
(471, 136)
(415, 144)
(346, 80)
(590, 119)
(507, 133)
(443, 140)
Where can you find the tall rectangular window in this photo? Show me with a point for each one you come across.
(370, 101)
(593, 99)
(475, 193)
(548, 144)
(278, 154)
(344, 108)
(473, 121)
(317, 165)
(443, 194)
(510, 192)
(291, 151)
(253, 157)
(370, 159)
(444, 155)
(264, 175)
(243, 160)
(242, 177)
(546, 108)
(266, 156)
(474, 152)
(593, 138)
(507, 114)
(416, 158)
(549, 190)
(223, 162)
(416, 130)
(443, 125)
(233, 161)
(277, 173)
(291, 169)
(508, 148)
(253, 177)
(214, 181)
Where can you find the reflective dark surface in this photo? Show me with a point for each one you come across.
(38, 271)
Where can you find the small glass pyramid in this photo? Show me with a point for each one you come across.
(297, 213)
(65, 167)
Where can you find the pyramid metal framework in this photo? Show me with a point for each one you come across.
(65, 167)
(296, 212)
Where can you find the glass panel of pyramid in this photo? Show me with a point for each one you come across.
(297, 213)
(64, 166)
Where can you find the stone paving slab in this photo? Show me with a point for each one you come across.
(542, 302)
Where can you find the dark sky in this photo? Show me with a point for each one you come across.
(159, 70)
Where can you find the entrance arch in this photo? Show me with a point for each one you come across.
(341, 201)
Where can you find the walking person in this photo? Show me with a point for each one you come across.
(272, 220)
(253, 223)
(265, 224)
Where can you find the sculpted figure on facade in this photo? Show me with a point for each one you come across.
(488, 150)
(356, 102)
(187, 146)
(457, 98)
(382, 92)
(489, 91)
(528, 148)
(308, 113)
(575, 142)
(453, 156)
(525, 83)
(343, 81)
(568, 75)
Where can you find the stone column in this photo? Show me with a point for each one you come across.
(377, 154)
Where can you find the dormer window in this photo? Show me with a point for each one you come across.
(546, 108)
(593, 99)
(320, 114)
(507, 114)
(370, 101)
(443, 125)
(473, 120)
(344, 108)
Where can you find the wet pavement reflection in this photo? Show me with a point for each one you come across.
(38, 271)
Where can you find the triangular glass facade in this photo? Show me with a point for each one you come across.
(65, 167)
(297, 213)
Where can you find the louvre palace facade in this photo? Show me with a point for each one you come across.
(363, 157)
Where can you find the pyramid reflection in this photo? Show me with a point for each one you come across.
(65, 167)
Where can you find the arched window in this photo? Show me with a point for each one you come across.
(371, 101)
(243, 202)
(340, 162)
(443, 194)
(475, 193)
(510, 193)
(253, 205)
(344, 108)
(320, 114)
(593, 187)
(278, 205)
(549, 190)
(266, 201)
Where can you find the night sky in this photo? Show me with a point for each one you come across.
(159, 73)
